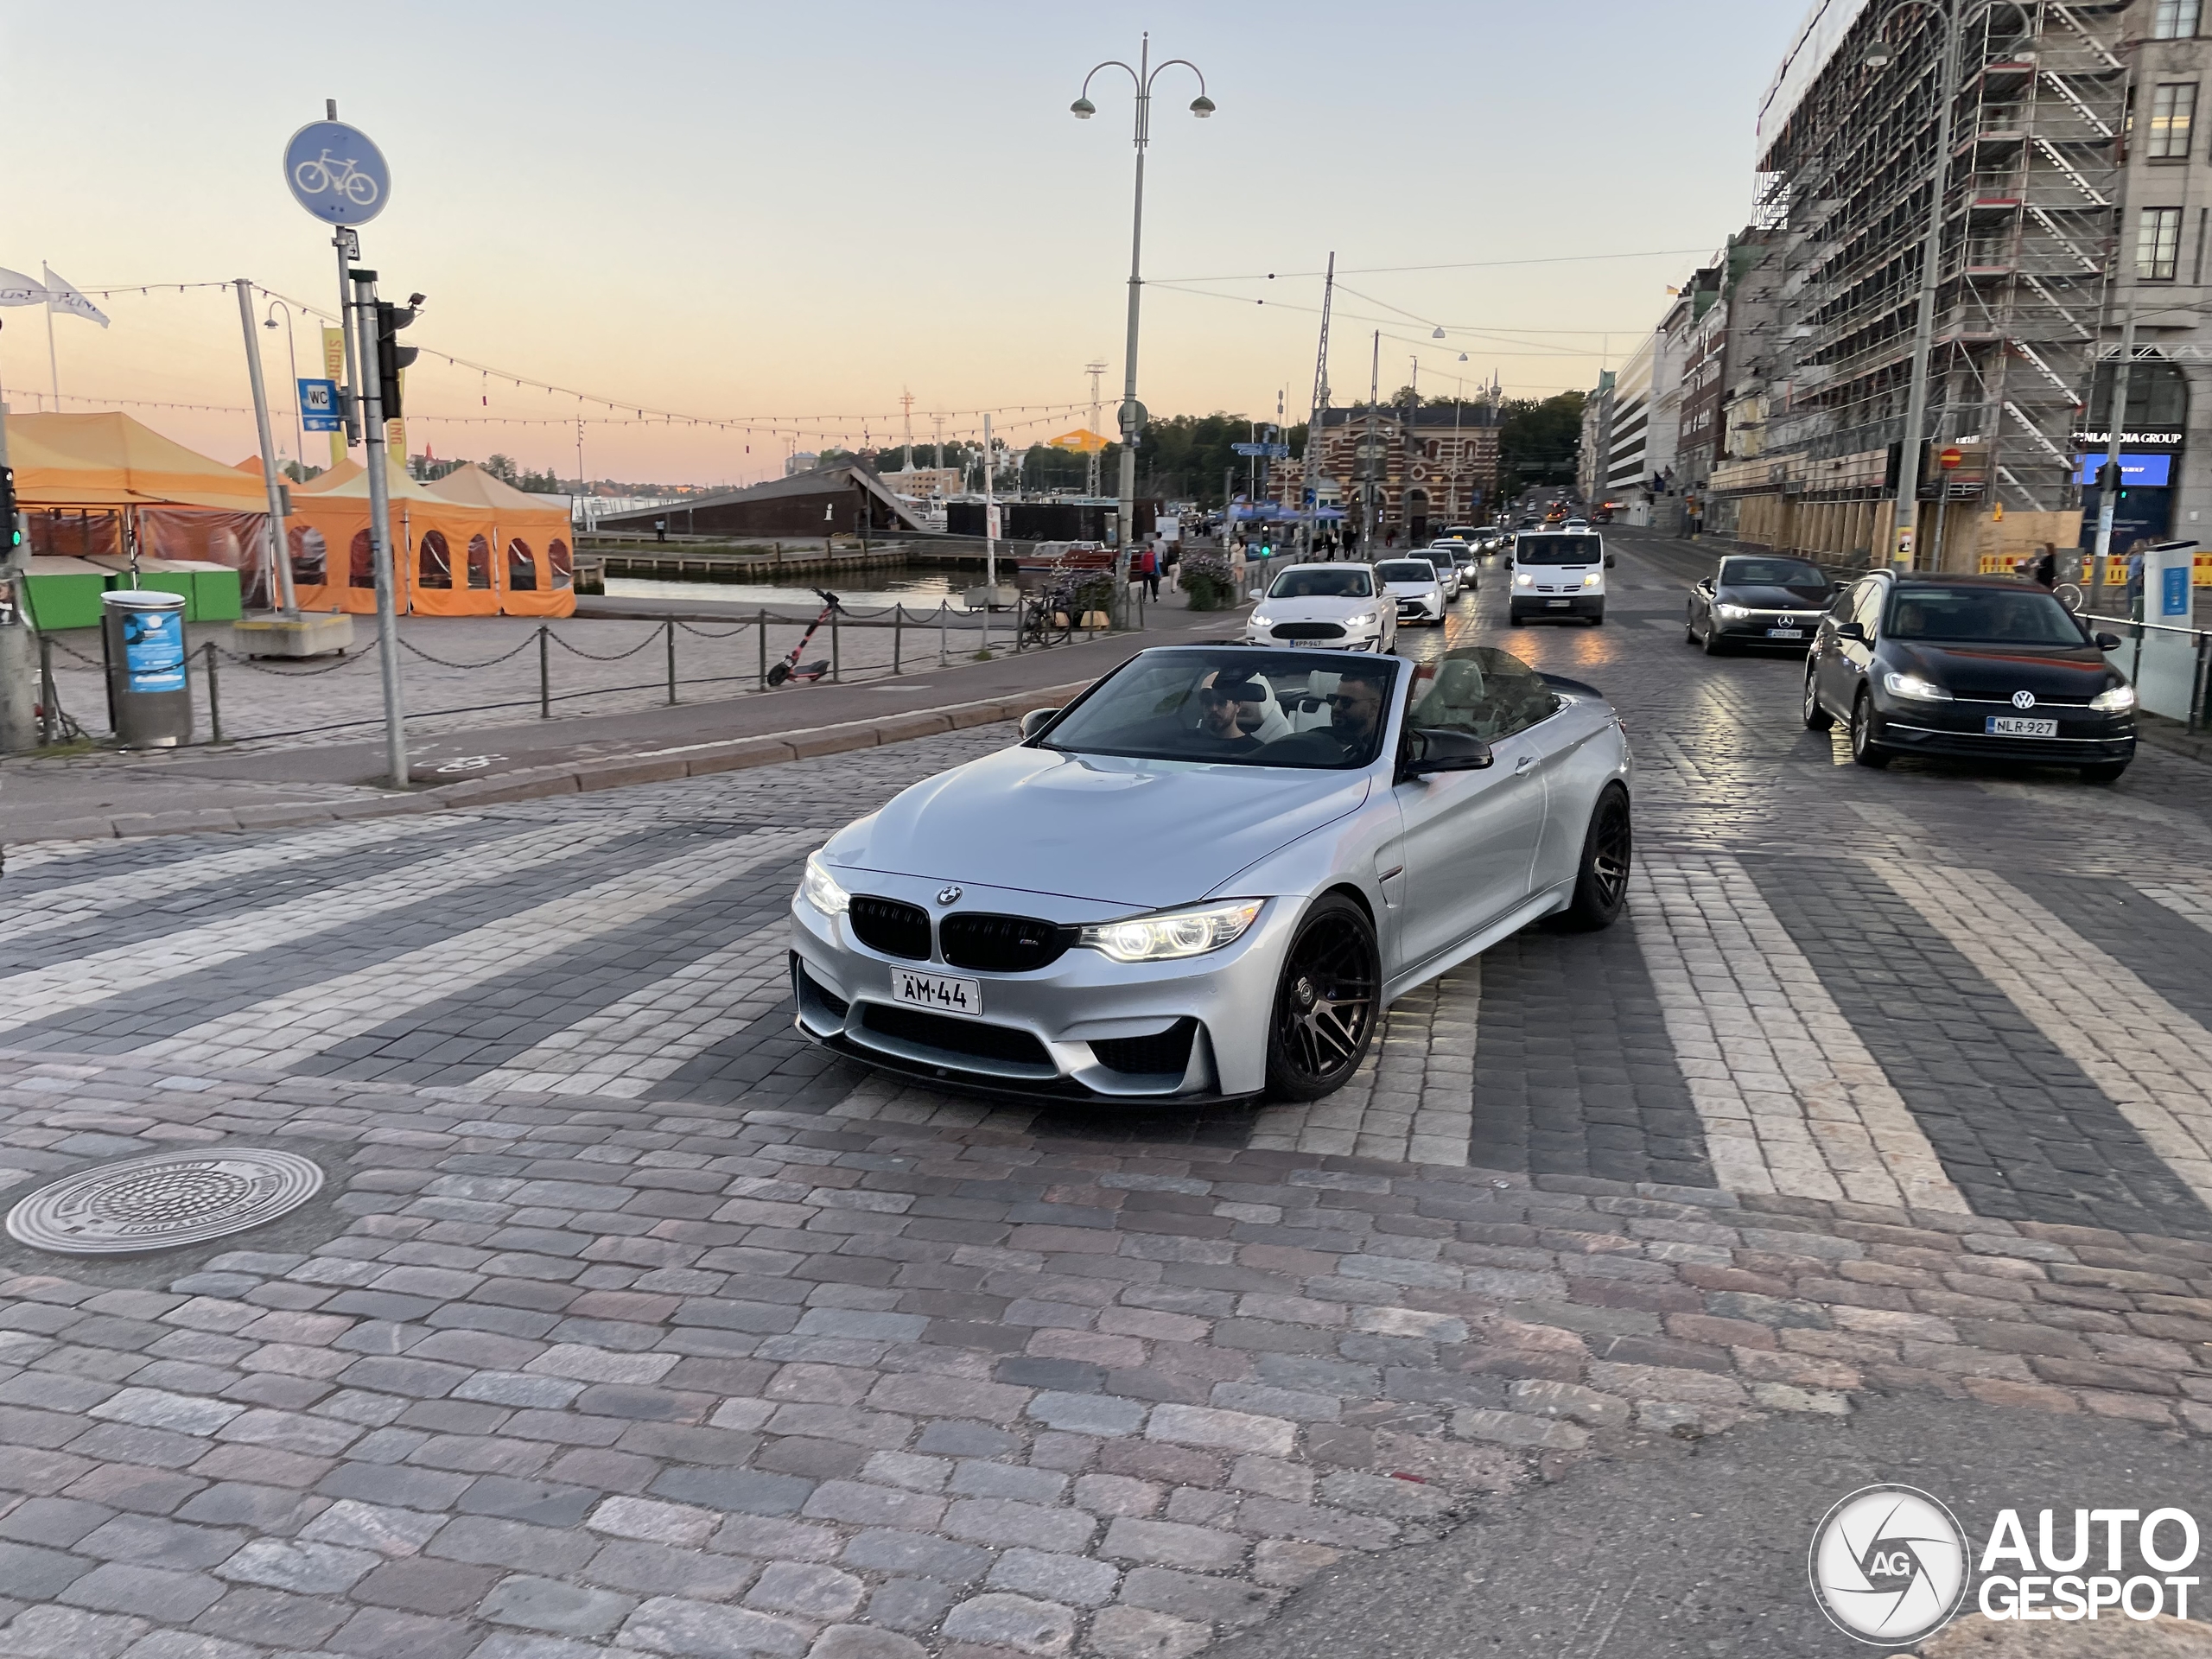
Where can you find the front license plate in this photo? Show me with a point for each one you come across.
(1785, 633)
(2019, 726)
(1558, 604)
(939, 992)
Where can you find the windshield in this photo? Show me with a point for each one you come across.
(1558, 549)
(2025, 616)
(1406, 570)
(1770, 573)
(1342, 581)
(1239, 707)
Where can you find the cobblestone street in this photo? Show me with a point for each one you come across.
(627, 1321)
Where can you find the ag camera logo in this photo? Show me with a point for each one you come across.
(1889, 1566)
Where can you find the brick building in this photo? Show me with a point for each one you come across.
(1435, 466)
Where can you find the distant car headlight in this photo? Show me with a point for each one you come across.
(1523, 579)
(820, 888)
(1915, 686)
(1177, 933)
(1733, 613)
(2113, 700)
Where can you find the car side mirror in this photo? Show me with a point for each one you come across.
(1508, 561)
(2109, 642)
(1705, 584)
(1611, 559)
(1855, 631)
(1035, 721)
(1431, 749)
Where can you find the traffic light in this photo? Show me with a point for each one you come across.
(11, 533)
(391, 356)
(2110, 477)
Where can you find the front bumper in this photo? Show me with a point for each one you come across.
(1523, 603)
(1422, 610)
(1752, 632)
(1351, 640)
(1083, 1027)
(2083, 739)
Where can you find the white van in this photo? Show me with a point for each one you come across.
(1558, 573)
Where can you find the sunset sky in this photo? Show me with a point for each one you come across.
(784, 215)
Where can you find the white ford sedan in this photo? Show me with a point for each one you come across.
(1325, 606)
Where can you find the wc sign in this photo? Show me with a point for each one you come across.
(1892, 1566)
(319, 406)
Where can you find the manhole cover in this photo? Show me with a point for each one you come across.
(157, 1203)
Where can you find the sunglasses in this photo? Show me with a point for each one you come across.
(1344, 700)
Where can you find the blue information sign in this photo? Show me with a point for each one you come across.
(153, 650)
(2174, 595)
(1272, 451)
(2148, 470)
(319, 406)
(336, 172)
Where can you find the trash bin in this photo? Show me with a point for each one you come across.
(149, 697)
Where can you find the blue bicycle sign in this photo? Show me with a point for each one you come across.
(336, 172)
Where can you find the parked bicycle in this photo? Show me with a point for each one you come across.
(2070, 596)
(1048, 617)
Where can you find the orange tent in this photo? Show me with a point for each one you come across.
(83, 481)
(535, 571)
(443, 548)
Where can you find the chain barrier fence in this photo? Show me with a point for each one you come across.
(959, 634)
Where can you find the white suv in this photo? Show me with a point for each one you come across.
(1558, 573)
(1325, 606)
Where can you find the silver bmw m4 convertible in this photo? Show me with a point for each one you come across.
(1206, 878)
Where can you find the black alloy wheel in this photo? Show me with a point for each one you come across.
(1817, 718)
(1608, 855)
(1864, 749)
(1713, 647)
(1689, 629)
(1327, 1002)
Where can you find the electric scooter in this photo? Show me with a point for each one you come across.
(791, 668)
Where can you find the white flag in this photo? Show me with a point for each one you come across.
(15, 288)
(59, 297)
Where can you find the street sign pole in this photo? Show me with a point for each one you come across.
(280, 573)
(372, 399)
(19, 725)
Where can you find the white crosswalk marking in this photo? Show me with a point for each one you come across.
(40, 992)
(67, 905)
(2189, 900)
(2151, 1061)
(1791, 1100)
(283, 1030)
(623, 1049)
(1413, 1098)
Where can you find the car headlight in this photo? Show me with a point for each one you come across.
(1592, 580)
(1733, 613)
(820, 888)
(1258, 621)
(1914, 686)
(1175, 934)
(1523, 579)
(2113, 700)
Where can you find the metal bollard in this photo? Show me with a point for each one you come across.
(898, 621)
(545, 673)
(49, 709)
(671, 627)
(941, 657)
(835, 672)
(214, 696)
(762, 624)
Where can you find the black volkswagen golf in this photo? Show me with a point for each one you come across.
(1978, 667)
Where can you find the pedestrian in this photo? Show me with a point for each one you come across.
(1148, 569)
(2043, 570)
(1169, 564)
(2135, 551)
(1237, 565)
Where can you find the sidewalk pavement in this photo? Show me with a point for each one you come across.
(498, 759)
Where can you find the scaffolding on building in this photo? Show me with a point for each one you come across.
(2030, 218)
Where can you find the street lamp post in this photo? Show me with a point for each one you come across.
(292, 353)
(1131, 414)
(1903, 552)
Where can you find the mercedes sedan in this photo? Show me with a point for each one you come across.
(1758, 600)
(1977, 667)
(1208, 876)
